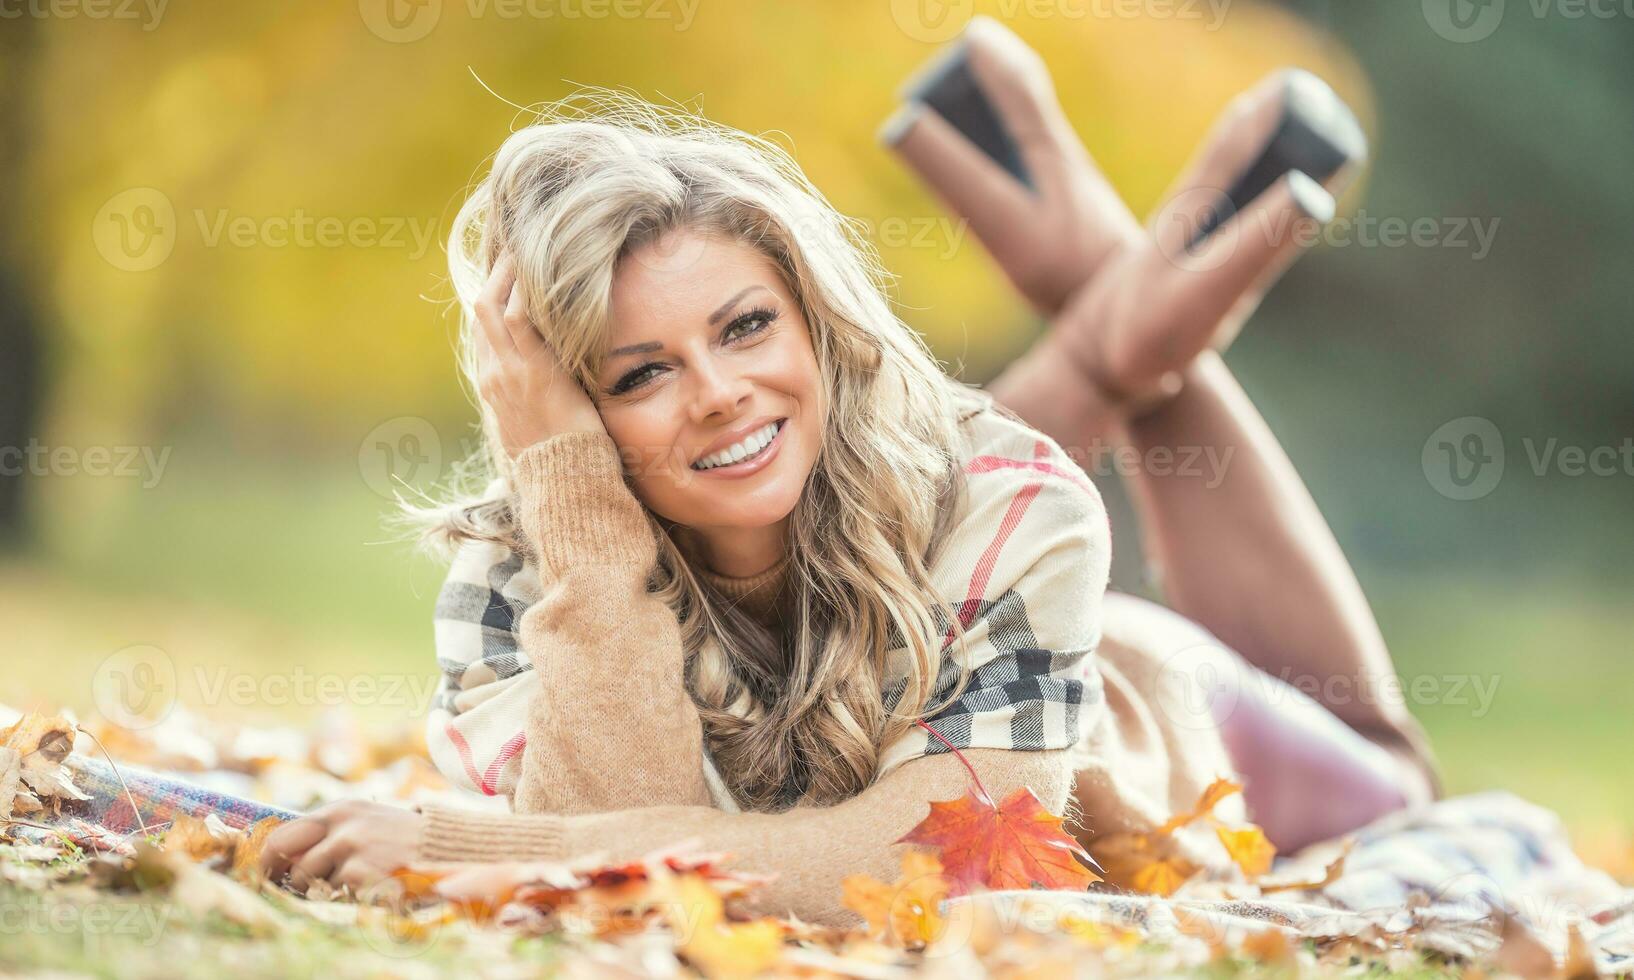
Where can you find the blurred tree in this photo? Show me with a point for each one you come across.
(21, 381)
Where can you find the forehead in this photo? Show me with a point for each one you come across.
(681, 279)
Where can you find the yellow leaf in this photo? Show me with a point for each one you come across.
(1163, 877)
(1249, 848)
(907, 912)
(1216, 791)
(716, 947)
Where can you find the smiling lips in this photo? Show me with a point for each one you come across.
(746, 455)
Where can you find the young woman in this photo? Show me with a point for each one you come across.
(742, 533)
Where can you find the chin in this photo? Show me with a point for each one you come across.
(724, 516)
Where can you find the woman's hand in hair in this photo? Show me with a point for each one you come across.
(520, 378)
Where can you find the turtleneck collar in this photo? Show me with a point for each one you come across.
(756, 595)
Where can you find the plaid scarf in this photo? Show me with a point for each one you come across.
(1025, 570)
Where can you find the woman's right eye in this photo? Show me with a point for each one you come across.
(634, 379)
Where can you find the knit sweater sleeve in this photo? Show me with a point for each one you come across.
(610, 724)
(809, 849)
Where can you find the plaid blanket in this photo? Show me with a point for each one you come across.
(1470, 877)
(1023, 569)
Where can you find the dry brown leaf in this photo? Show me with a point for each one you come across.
(1580, 963)
(200, 840)
(246, 861)
(11, 781)
(1293, 881)
(41, 739)
(194, 887)
(1522, 953)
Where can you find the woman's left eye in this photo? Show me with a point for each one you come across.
(761, 317)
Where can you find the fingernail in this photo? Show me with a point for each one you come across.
(893, 129)
(1312, 198)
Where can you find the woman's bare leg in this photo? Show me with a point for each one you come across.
(1246, 553)
(1242, 550)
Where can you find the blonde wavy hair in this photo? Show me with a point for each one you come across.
(805, 714)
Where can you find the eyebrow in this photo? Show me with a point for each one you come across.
(647, 347)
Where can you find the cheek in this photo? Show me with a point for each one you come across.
(646, 439)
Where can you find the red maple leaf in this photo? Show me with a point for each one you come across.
(1014, 844)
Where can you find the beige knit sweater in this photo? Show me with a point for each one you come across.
(612, 763)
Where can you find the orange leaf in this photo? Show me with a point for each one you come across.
(1017, 844)
(907, 913)
(1249, 848)
(1164, 876)
(1216, 791)
(247, 856)
(1152, 862)
(717, 947)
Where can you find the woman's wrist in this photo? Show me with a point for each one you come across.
(587, 421)
(575, 507)
(452, 834)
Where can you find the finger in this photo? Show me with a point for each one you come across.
(318, 862)
(490, 305)
(288, 843)
(1194, 291)
(518, 324)
(359, 874)
(480, 348)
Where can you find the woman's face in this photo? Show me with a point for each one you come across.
(708, 357)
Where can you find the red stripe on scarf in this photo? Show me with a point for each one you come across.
(987, 464)
(464, 749)
(507, 752)
(1012, 517)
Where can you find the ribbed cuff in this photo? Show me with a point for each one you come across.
(452, 834)
(575, 506)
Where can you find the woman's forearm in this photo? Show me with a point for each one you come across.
(810, 849)
(611, 725)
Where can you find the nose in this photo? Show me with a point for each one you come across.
(718, 391)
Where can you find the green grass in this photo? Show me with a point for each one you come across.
(80, 932)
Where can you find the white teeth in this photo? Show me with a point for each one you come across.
(751, 444)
